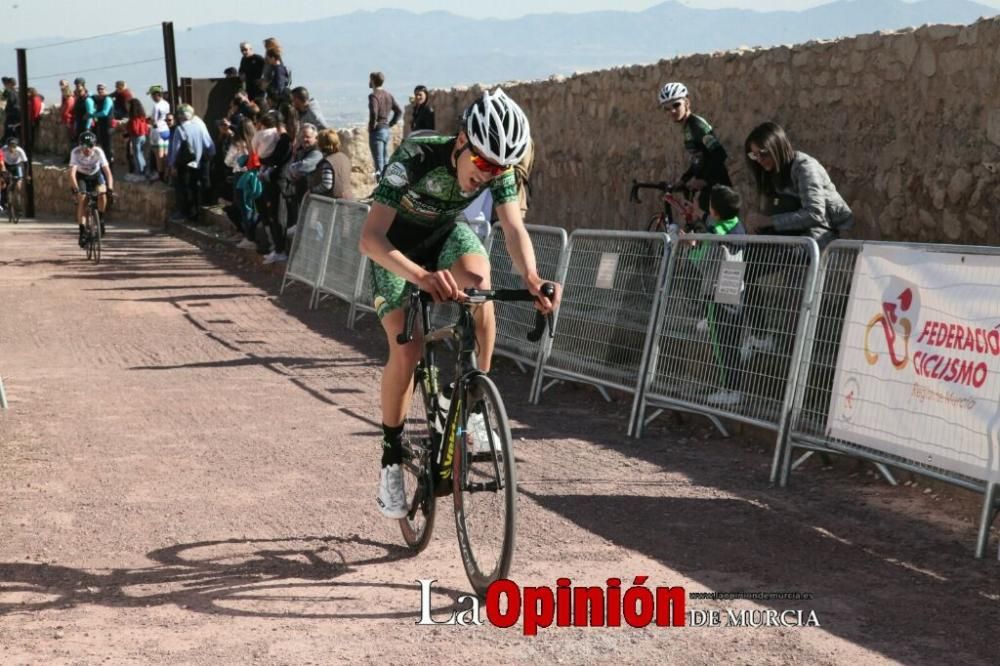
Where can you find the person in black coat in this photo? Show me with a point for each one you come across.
(423, 114)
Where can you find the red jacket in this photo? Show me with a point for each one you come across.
(66, 110)
(36, 104)
(138, 127)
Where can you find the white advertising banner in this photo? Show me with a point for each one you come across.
(918, 373)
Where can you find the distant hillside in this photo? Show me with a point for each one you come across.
(333, 56)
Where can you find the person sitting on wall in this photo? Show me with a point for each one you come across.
(707, 157)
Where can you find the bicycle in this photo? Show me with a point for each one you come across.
(15, 195)
(93, 224)
(440, 457)
(664, 220)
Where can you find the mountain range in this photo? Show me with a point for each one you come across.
(333, 55)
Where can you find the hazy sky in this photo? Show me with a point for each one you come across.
(26, 19)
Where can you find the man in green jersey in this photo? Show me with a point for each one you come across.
(413, 235)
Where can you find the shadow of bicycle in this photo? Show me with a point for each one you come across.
(289, 577)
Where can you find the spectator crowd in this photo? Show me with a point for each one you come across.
(271, 148)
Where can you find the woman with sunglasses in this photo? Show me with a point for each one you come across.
(795, 193)
(795, 198)
(413, 237)
(707, 157)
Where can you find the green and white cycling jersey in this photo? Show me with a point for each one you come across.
(420, 184)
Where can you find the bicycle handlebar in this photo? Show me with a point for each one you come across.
(633, 195)
(420, 298)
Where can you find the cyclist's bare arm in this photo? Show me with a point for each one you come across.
(522, 253)
(108, 178)
(376, 246)
(72, 178)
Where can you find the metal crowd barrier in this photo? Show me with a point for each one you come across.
(812, 419)
(610, 295)
(728, 337)
(308, 257)
(516, 320)
(344, 272)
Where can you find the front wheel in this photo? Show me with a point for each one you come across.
(419, 433)
(14, 205)
(95, 234)
(484, 479)
(657, 223)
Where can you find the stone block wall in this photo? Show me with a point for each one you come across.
(907, 123)
(144, 203)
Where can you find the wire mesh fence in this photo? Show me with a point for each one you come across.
(726, 335)
(309, 253)
(610, 295)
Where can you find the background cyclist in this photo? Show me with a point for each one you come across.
(89, 171)
(413, 237)
(16, 160)
(707, 157)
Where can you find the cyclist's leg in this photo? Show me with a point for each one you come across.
(390, 293)
(463, 254)
(81, 199)
(397, 386)
(102, 200)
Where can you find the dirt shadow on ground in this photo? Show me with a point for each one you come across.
(292, 577)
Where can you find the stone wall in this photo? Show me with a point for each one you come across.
(907, 123)
(144, 203)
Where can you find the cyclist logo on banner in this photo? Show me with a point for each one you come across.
(899, 299)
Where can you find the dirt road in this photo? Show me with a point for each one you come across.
(188, 465)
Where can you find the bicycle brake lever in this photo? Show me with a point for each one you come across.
(543, 320)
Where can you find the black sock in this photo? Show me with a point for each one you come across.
(392, 445)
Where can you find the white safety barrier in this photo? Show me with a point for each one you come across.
(610, 295)
(729, 332)
(515, 320)
(312, 236)
(903, 366)
(344, 274)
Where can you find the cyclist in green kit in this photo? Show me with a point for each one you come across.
(415, 239)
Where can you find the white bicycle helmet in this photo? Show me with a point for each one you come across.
(673, 92)
(497, 128)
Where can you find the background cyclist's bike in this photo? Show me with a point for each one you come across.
(665, 221)
(461, 444)
(15, 197)
(92, 223)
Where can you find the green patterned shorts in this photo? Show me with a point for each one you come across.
(391, 291)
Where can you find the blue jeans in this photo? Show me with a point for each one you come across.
(139, 154)
(378, 141)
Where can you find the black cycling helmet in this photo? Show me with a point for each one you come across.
(12, 141)
(88, 139)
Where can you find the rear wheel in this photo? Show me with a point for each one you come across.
(485, 487)
(419, 435)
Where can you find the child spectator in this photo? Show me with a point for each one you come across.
(723, 322)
